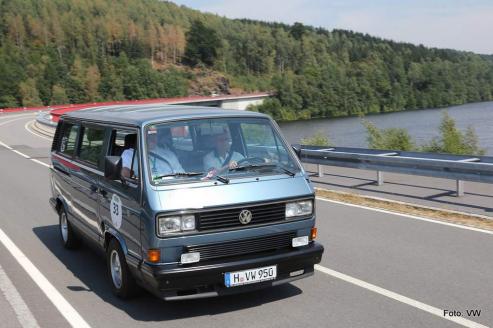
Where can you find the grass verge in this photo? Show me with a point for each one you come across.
(470, 220)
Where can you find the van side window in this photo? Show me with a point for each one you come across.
(92, 144)
(124, 144)
(69, 139)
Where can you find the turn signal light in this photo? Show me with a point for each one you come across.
(153, 255)
(313, 233)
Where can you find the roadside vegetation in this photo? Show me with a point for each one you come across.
(60, 51)
(318, 139)
(391, 138)
(453, 141)
(467, 219)
(450, 140)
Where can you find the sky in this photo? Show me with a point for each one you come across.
(456, 24)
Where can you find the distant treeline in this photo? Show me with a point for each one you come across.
(61, 51)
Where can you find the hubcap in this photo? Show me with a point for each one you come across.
(116, 269)
(64, 227)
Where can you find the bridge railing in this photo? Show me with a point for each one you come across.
(456, 167)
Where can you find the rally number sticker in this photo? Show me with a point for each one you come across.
(116, 211)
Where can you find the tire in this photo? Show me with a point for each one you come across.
(122, 282)
(68, 236)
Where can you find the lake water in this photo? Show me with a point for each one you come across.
(422, 125)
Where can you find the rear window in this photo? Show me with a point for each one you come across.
(91, 145)
(69, 139)
(181, 138)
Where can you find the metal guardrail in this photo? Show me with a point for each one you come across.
(45, 119)
(456, 167)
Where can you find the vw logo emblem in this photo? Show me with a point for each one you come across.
(245, 217)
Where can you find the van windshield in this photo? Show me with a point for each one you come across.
(215, 149)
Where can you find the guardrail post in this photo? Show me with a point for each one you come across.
(320, 171)
(460, 188)
(379, 178)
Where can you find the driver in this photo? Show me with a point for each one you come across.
(162, 159)
(222, 157)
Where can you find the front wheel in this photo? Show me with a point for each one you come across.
(122, 282)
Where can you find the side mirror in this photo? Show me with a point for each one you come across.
(112, 167)
(297, 150)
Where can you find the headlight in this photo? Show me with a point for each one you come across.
(302, 208)
(174, 224)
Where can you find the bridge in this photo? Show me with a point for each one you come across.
(238, 102)
(381, 268)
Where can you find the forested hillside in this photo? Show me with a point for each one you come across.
(60, 51)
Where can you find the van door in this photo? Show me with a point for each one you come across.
(119, 203)
(85, 180)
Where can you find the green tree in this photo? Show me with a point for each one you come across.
(391, 138)
(8, 101)
(29, 93)
(318, 139)
(202, 44)
(59, 96)
(452, 140)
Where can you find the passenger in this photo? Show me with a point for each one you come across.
(128, 161)
(222, 157)
(162, 159)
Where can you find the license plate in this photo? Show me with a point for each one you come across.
(250, 276)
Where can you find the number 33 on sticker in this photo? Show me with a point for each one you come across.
(116, 211)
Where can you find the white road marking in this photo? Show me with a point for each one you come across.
(21, 310)
(63, 306)
(398, 297)
(13, 120)
(460, 226)
(24, 155)
(7, 116)
(28, 129)
(39, 162)
(16, 151)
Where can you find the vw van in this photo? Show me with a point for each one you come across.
(186, 202)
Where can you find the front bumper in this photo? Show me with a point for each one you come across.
(207, 279)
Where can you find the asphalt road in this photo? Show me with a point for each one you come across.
(427, 191)
(379, 269)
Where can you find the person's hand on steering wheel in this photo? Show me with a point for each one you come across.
(233, 165)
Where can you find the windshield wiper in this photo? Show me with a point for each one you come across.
(287, 171)
(222, 179)
(255, 166)
(251, 166)
(178, 174)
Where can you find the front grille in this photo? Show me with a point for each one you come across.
(243, 246)
(229, 218)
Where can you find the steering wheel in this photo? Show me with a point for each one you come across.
(251, 160)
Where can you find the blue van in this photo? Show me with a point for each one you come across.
(187, 202)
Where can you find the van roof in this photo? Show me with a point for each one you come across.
(144, 114)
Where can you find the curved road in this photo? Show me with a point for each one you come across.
(379, 269)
